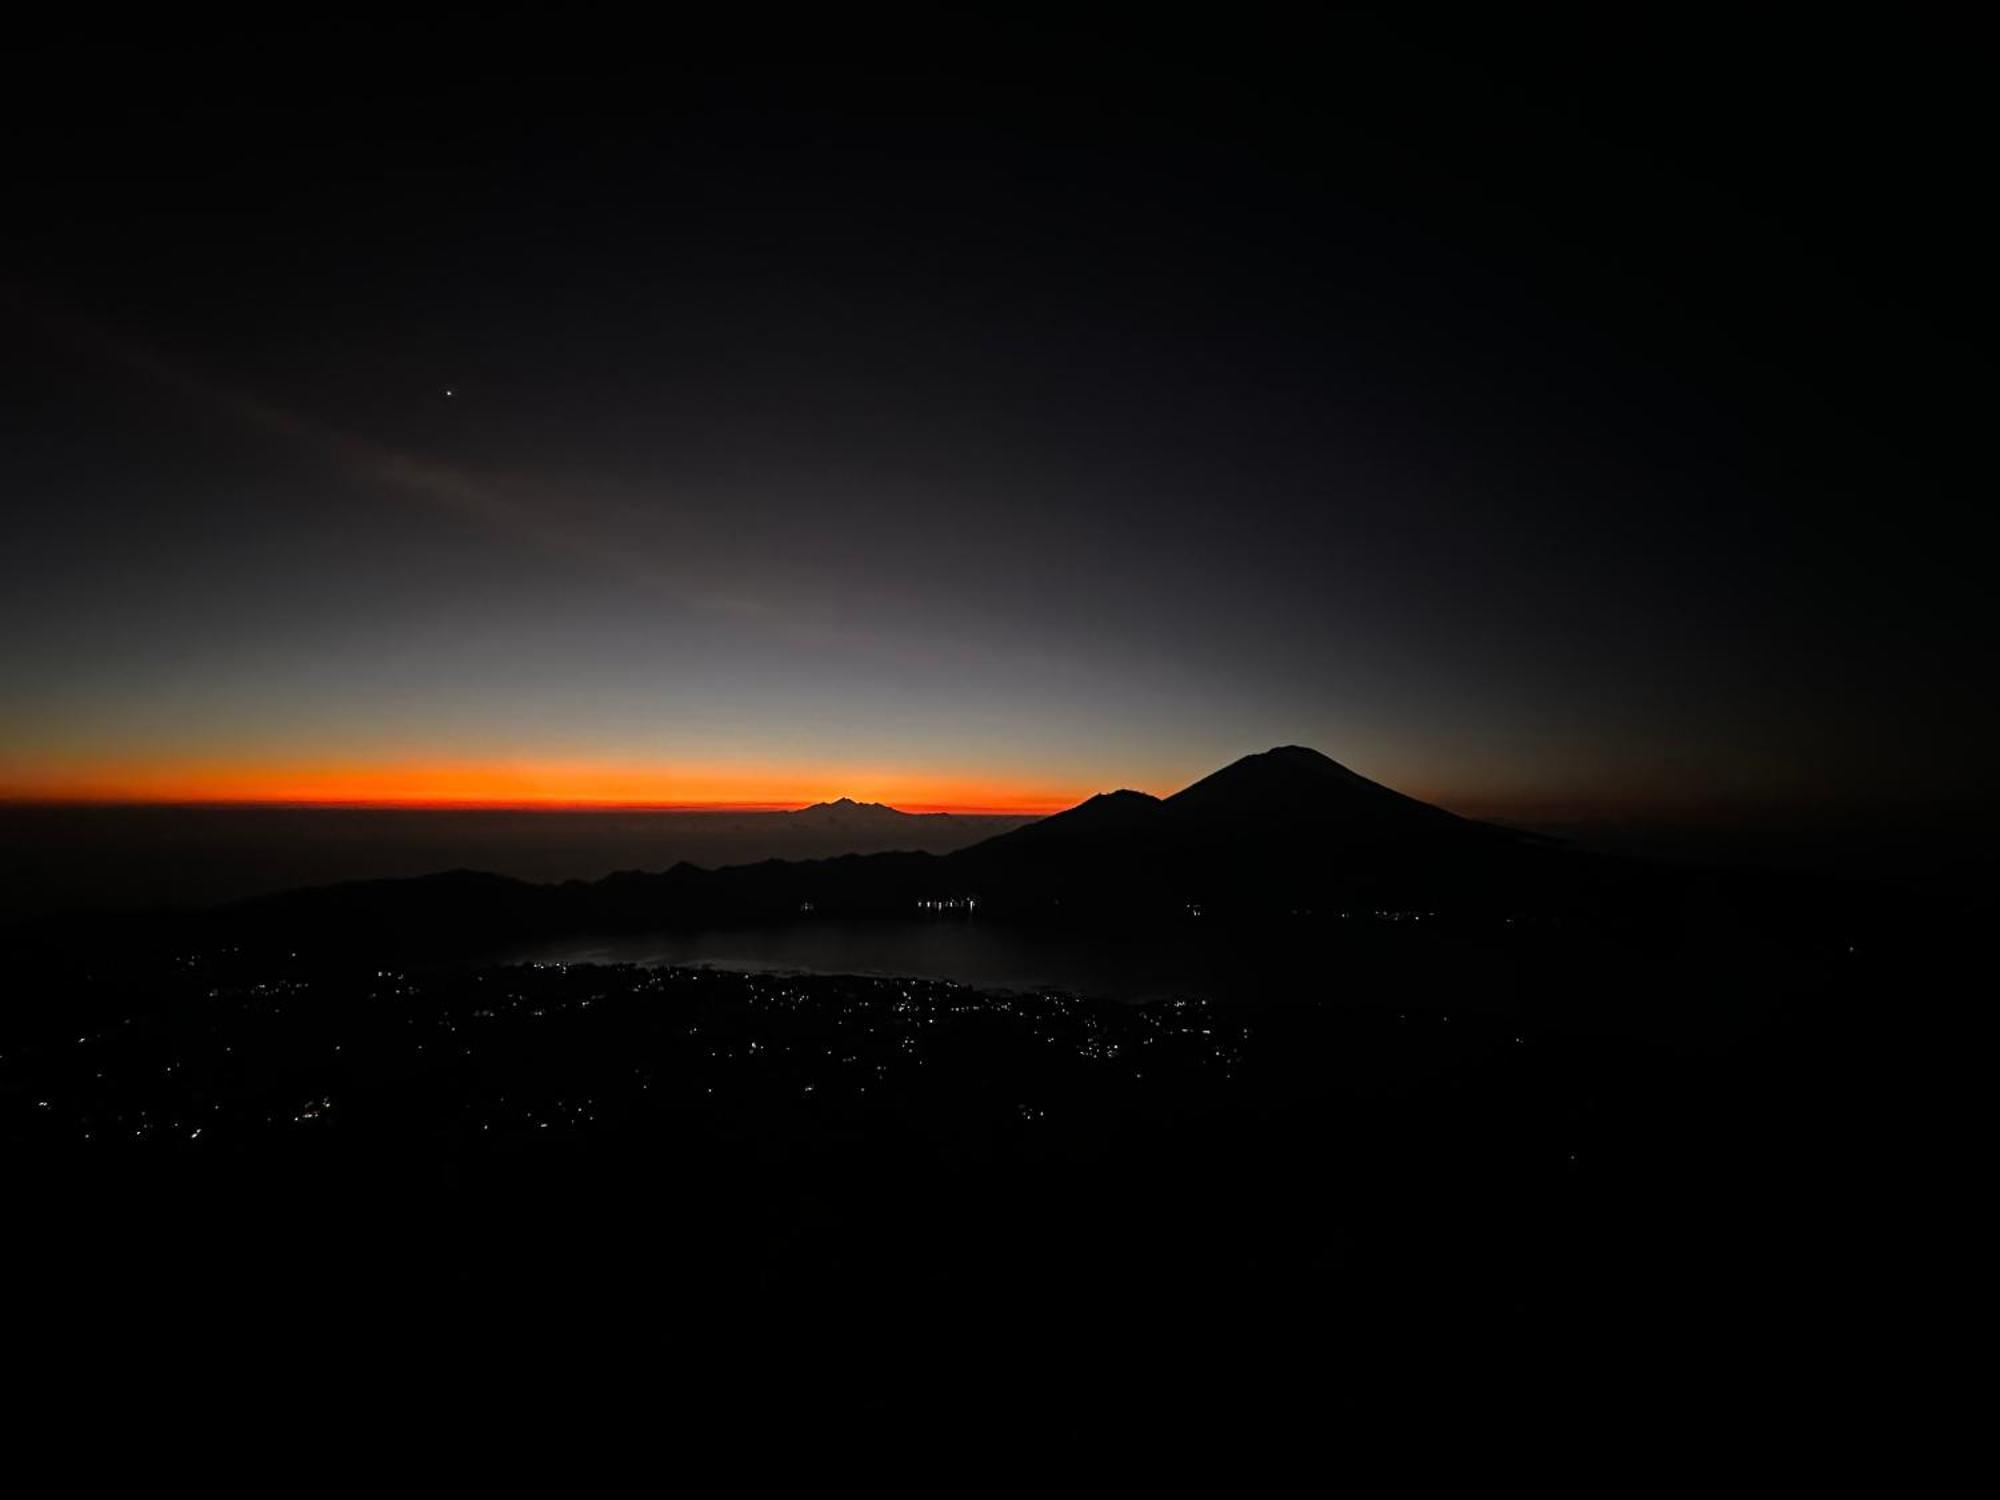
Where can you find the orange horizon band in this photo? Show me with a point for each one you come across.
(531, 786)
(551, 804)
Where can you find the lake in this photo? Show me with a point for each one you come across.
(1215, 961)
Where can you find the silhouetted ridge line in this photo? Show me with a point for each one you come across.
(1288, 831)
(1104, 813)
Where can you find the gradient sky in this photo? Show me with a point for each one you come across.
(1525, 417)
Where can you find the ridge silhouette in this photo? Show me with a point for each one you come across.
(1288, 831)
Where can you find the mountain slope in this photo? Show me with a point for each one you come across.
(1284, 829)
(1294, 783)
(1108, 814)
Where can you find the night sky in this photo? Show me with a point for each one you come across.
(1537, 417)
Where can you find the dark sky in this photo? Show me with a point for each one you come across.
(1535, 416)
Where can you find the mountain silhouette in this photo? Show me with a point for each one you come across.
(1108, 813)
(879, 817)
(1286, 831)
(1295, 783)
(1286, 828)
(847, 805)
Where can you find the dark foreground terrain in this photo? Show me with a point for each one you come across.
(141, 857)
(896, 1197)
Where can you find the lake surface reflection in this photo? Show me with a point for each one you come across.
(1214, 962)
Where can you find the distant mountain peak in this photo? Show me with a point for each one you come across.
(849, 805)
(1292, 757)
(1118, 812)
(1304, 754)
(1295, 781)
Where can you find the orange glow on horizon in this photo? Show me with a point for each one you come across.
(526, 785)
